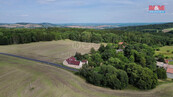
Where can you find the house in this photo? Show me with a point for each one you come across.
(169, 68)
(122, 44)
(72, 62)
(161, 64)
(169, 72)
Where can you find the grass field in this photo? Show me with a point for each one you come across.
(167, 30)
(163, 50)
(22, 78)
(53, 51)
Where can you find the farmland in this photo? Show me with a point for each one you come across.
(52, 51)
(31, 79)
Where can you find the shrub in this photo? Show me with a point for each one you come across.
(161, 73)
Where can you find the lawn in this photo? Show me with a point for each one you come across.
(23, 78)
(170, 62)
(164, 51)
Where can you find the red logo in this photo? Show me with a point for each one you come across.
(156, 7)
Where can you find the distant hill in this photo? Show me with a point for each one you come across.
(21, 25)
(27, 25)
(71, 25)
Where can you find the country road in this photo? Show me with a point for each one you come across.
(45, 62)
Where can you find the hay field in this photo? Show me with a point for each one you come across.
(52, 51)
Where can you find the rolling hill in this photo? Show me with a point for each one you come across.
(23, 78)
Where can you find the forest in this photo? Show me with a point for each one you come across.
(22, 35)
(135, 65)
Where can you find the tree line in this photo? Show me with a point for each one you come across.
(22, 35)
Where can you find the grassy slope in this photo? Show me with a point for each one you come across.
(163, 50)
(22, 78)
(53, 51)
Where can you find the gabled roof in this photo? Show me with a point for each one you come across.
(72, 60)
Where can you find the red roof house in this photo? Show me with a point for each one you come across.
(120, 43)
(169, 70)
(72, 60)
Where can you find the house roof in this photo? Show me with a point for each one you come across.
(169, 70)
(72, 60)
(120, 43)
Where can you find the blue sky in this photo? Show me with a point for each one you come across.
(83, 11)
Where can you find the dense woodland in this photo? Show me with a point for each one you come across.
(136, 65)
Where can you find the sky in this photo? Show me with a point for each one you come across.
(83, 11)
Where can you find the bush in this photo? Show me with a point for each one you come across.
(157, 49)
(161, 73)
(142, 78)
(106, 75)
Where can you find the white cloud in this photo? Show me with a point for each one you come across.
(45, 1)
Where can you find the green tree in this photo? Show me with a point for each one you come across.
(143, 78)
(102, 48)
(86, 36)
(92, 51)
(161, 73)
(97, 59)
(78, 56)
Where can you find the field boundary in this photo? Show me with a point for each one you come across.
(45, 62)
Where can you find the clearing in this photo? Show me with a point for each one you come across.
(51, 51)
(23, 78)
(166, 51)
